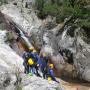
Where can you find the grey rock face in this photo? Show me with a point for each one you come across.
(7, 56)
(82, 59)
(80, 49)
(34, 27)
(51, 43)
(11, 64)
(51, 47)
(78, 54)
(11, 70)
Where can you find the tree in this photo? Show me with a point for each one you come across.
(3, 2)
(40, 6)
(53, 1)
(72, 2)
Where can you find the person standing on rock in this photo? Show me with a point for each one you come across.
(36, 60)
(26, 55)
(31, 61)
(34, 55)
(31, 66)
(43, 66)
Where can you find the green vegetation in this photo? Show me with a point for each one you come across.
(19, 87)
(2, 26)
(3, 2)
(9, 38)
(62, 9)
(19, 79)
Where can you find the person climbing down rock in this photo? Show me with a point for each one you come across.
(31, 66)
(50, 73)
(25, 57)
(44, 63)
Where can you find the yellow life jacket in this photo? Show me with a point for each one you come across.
(49, 79)
(30, 61)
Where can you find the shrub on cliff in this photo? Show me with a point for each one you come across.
(62, 9)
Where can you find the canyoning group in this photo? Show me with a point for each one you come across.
(35, 63)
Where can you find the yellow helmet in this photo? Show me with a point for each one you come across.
(51, 66)
(34, 51)
(30, 61)
(31, 48)
(49, 78)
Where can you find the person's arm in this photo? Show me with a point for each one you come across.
(39, 61)
(23, 56)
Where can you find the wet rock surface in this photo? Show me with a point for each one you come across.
(62, 47)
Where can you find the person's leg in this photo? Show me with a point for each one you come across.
(44, 74)
(36, 69)
(32, 69)
(29, 69)
(25, 67)
(54, 79)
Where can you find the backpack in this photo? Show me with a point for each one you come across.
(30, 61)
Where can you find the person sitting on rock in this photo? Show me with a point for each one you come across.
(50, 73)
